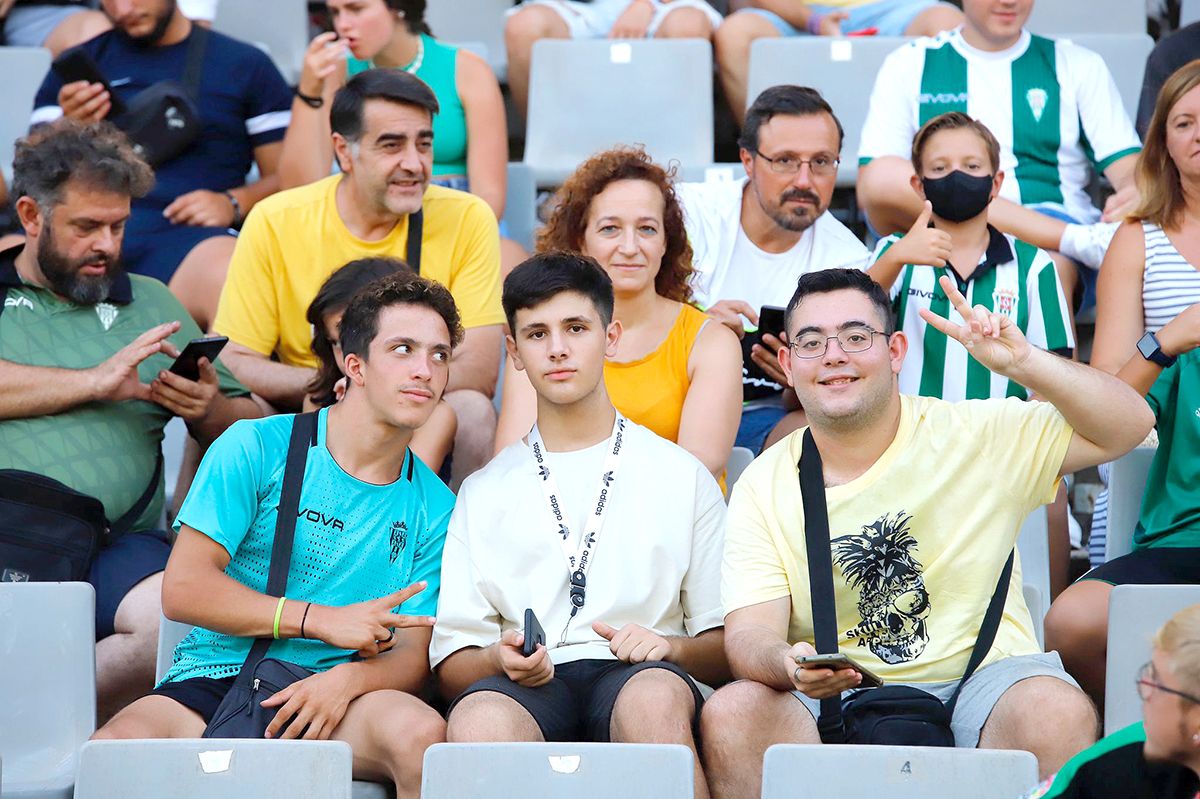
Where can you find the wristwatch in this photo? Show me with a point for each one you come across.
(1150, 349)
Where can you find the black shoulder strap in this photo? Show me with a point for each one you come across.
(988, 629)
(820, 577)
(193, 67)
(121, 526)
(304, 437)
(416, 229)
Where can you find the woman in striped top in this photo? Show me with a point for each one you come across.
(1149, 276)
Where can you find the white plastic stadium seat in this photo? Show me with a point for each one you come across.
(213, 769)
(588, 96)
(897, 772)
(278, 26)
(23, 69)
(1126, 485)
(47, 685)
(1124, 53)
(739, 459)
(1135, 612)
(460, 21)
(1061, 17)
(1034, 548)
(841, 69)
(520, 205)
(576, 770)
(1037, 611)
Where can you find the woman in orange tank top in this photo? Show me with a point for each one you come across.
(673, 373)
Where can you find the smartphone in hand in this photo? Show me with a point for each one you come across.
(534, 634)
(187, 364)
(839, 662)
(75, 65)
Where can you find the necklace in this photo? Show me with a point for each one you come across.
(412, 66)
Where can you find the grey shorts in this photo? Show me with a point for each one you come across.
(28, 26)
(981, 692)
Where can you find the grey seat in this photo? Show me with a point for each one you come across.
(1059, 17)
(520, 205)
(461, 21)
(842, 69)
(577, 770)
(213, 769)
(897, 772)
(1135, 612)
(1037, 611)
(1034, 548)
(280, 27)
(47, 685)
(1126, 486)
(23, 69)
(588, 96)
(1125, 54)
(739, 459)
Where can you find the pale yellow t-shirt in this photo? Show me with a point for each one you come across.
(918, 541)
(294, 240)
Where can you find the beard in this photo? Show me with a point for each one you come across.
(155, 35)
(799, 219)
(62, 273)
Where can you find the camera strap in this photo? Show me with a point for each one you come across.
(579, 560)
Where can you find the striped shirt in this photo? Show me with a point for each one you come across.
(1052, 105)
(1013, 278)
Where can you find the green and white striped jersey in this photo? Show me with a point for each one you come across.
(1013, 278)
(1052, 105)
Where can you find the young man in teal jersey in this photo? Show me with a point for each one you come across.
(368, 538)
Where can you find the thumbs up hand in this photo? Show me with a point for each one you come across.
(923, 245)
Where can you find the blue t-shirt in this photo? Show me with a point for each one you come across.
(354, 541)
(243, 102)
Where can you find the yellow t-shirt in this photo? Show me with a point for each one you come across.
(918, 541)
(294, 240)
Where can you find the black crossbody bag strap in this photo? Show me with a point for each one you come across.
(304, 436)
(121, 526)
(820, 577)
(193, 67)
(987, 630)
(416, 229)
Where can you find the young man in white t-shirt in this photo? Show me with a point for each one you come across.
(1053, 106)
(611, 535)
(751, 239)
(925, 502)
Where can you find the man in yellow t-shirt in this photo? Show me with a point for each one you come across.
(382, 122)
(925, 501)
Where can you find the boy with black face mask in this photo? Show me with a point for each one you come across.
(957, 161)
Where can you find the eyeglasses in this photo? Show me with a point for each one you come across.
(852, 339)
(1147, 686)
(822, 166)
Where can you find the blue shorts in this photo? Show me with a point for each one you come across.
(119, 567)
(756, 424)
(891, 17)
(1087, 277)
(155, 246)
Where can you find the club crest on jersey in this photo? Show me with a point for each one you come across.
(1005, 302)
(107, 313)
(399, 538)
(1037, 102)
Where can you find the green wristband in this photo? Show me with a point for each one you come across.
(279, 615)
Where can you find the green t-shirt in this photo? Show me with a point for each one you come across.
(1170, 514)
(104, 449)
(438, 68)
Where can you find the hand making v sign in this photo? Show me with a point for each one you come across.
(992, 338)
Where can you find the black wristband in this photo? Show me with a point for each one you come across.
(303, 619)
(309, 100)
(237, 209)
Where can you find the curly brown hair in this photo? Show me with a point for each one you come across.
(565, 229)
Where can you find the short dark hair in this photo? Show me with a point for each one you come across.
(360, 322)
(800, 101)
(393, 85)
(335, 295)
(828, 280)
(548, 274)
(96, 155)
(414, 15)
(954, 120)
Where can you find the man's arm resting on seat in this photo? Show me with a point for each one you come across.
(282, 385)
(476, 362)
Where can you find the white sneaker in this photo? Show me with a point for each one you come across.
(1088, 243)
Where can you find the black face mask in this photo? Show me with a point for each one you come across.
(958, 196)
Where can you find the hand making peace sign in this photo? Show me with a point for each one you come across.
(992, 338)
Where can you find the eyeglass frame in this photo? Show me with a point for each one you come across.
(794, 340)
(773, 161)
(1157, 686)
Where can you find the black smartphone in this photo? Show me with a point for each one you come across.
(839, 662)
(75, 65)
(187, 366)
(755, 382)
(770, 320)
(534, 634)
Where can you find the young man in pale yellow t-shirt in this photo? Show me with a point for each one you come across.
(382, 124)
(926, 499)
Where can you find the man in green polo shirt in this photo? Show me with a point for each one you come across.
(84, 387)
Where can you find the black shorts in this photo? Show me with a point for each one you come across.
(201, 694)
(1154, 566)
(119, 567)
(577, 704)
